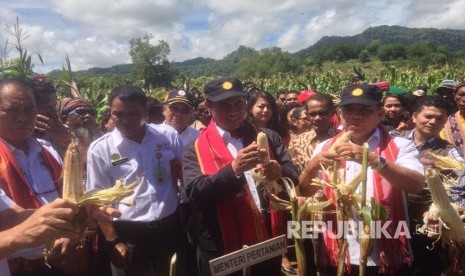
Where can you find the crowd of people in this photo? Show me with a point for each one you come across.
(195, 159)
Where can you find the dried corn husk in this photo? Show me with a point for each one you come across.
(73, 188)
(452, 230)
(445, 162)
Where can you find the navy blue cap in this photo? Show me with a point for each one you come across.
(224, 88)
(361, 93)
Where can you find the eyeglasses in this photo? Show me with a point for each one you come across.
(320, 113)
(182, 110)
(82, 112)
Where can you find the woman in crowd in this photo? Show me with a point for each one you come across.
(299, 120)
(396, 112)
(263, 112)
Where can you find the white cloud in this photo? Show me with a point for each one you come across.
(444, 15)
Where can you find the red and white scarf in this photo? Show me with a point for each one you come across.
(13, 182)
(393, 253)
(240, 220)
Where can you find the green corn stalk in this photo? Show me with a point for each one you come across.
(374, 212)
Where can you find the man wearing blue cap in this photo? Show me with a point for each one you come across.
(394, 169)
(231, 210)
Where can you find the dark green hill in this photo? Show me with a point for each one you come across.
(210, 67)
(453, 39)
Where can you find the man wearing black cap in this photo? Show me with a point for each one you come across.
(178, 109)
(394, 169)
(216, 171)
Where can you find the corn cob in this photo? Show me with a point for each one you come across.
(73, 187)
(270, 186)
(73, 190)
(453, 231)
(262, 142)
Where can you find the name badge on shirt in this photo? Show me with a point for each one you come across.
(116, 159)
(160, 171)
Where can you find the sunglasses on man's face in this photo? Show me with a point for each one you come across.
(82, 112)
(177, 109)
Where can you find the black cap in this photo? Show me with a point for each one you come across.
(180, 96)
(224, 88)
(361, 93)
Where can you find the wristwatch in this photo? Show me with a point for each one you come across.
(382, 162)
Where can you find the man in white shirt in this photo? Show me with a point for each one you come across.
(148, 233)
(21, 228)
(394, 169)
(31, 172)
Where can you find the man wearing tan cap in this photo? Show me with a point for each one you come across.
(178, 110)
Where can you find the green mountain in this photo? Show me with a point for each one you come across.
(452, 40)
(210, 67)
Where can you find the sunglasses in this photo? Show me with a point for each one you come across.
(82, 112)
(321, 113)
(182, 110)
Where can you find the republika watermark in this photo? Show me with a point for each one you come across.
(336, 230)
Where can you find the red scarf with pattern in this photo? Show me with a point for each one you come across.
(240, 220)
(13, 182)
(393, 253)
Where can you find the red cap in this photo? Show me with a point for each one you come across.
(304, 95)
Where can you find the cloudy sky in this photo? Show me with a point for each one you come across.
(96, 33)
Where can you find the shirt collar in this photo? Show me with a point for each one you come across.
(33, 146)
(429, 143)
(374, 138)
(118, 138)
(226, 135)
